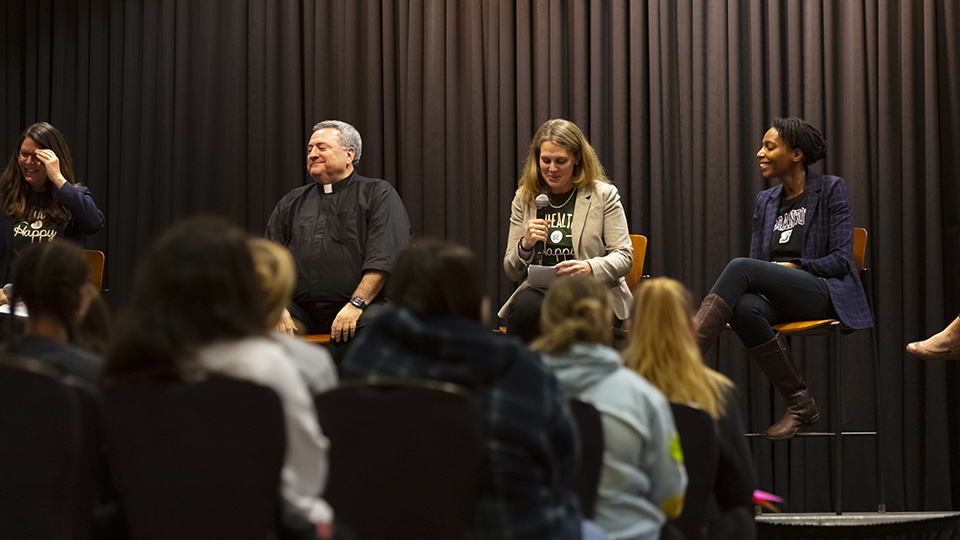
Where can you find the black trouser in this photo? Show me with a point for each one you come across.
(763, 294)
(523, 316)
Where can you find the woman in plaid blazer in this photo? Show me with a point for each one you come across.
(800, 266)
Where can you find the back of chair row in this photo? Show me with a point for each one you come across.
(50, 459)
(196, 460)
(406, 457)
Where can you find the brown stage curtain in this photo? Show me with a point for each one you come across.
(178, 107)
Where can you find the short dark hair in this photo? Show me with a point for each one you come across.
(48, 278)
(433, 279)
(798, 134)
(197, 285)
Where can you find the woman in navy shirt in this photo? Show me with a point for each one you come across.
(39, 197)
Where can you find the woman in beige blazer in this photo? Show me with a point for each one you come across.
(584, 230)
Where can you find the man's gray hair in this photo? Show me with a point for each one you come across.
(348, 135)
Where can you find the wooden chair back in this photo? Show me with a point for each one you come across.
(95, 260)
(859, 248)
(639, 242)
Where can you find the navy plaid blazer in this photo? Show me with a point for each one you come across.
(827, 250)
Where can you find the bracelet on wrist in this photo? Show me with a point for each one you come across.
(524, 253)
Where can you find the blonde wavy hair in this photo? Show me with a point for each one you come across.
(568, 136)
(277, 275)
(575, 309)
(664, 351)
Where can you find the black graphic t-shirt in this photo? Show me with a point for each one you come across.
(788, 229)
(559, 244)
(33, 231)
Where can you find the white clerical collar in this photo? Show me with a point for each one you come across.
(328, 188)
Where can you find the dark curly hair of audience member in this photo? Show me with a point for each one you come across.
(197, 285)
(799, 134)
(48, 279)
(434, 279)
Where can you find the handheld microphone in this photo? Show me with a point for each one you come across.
(542, 202)
(8, 290)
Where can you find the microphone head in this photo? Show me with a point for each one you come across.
(542, 200)
(8, 290)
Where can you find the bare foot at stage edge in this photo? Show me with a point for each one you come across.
(944, 345)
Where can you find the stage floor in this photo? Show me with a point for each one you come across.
(850, 518)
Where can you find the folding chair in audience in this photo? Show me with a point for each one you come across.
(701, 452)
(196, 460)
(50, 453)
(406, 457)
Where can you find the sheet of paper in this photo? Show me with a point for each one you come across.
(21, 310)
(540, 277)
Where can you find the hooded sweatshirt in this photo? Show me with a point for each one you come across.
(529, 434)
(643, 471)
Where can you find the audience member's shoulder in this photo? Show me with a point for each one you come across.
(257, 358)
(66, 358)
(312, 361)
(642, 390)
(519, 356)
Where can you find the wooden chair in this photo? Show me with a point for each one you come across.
(639, 242)
(196, 460)
(590, 425)
(95, 260)
(834, 329)
(319, 339)
(406, 457)
(701, 453)
(50, 453)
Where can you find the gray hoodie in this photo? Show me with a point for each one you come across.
(643, 468)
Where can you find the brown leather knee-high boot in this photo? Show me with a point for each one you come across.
(710, 319)
(775, 360)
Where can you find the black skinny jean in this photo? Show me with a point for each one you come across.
(763, 294)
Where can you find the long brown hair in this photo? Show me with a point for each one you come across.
(17, 198)
(664, 351)
(568, 136)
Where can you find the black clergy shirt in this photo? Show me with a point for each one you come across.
(334, 237)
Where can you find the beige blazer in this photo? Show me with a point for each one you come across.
(600, 237)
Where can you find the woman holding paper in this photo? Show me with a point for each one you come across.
(583, 228)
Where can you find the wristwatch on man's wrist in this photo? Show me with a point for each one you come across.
(358, 303)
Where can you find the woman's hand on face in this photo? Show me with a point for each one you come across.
(52, 163)
(536, 232)
(573, 268)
